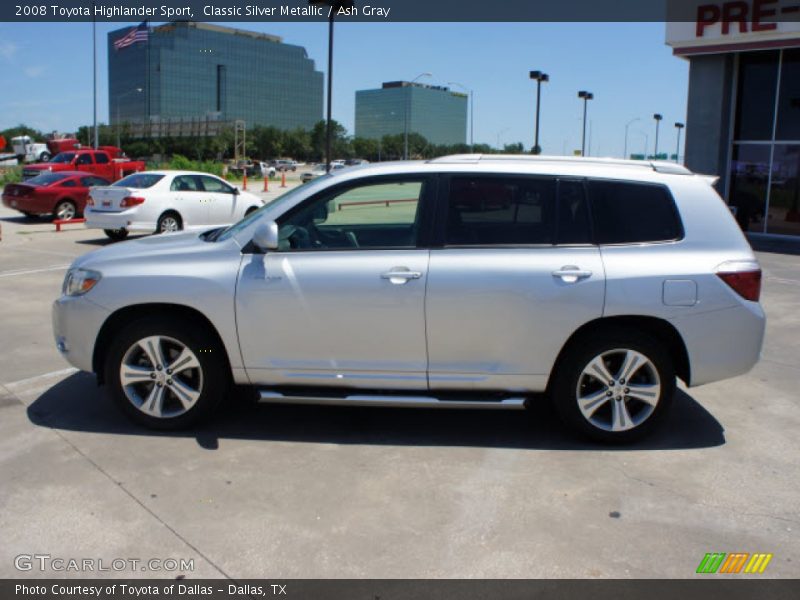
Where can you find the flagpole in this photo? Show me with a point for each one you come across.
(94, 74)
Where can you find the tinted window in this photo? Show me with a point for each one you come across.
(186, 183)
(69, 183)
(84, 159)
(212, 184)
(632, 212)
(139, 181)
(755, 107)
(101, 158)
(63, 157)
(45, 179)
(90, 181)
(380, 215)
(493, 210)
(573, 214)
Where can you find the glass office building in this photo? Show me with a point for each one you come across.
(743, 121)
(437, 113)
(188, 70)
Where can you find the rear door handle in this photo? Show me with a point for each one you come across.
(399, 275)
(571, 273)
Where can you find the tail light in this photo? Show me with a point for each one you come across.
(129, 201)
(744, 278)
(89, 201)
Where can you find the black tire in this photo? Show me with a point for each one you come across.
(165, 219)
(116, 235)
(612, 346)
(64, 208)
(213, 381)
(44, 157)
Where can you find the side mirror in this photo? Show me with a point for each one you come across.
(265, 236)
(235, 191)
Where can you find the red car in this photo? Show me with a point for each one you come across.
(62, 194)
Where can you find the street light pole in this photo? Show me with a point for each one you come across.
(586, 97)
(678, 126)
(658, 118)
(408, 101)
(539, 77)
(499, 133)
(471, 113)
(628, 124)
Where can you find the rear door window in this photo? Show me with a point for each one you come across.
(629, 213)
(101, 158)
(487, 210)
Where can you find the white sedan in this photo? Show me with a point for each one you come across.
(163, 201)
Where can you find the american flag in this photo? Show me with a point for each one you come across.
(136, 34)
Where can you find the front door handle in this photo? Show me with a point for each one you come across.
(400, 275)
(571, 273)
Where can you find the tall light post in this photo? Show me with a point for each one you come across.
(658, 118)
(408, 102)
(628, 124)
(678, 126)
(120, 97)
(335, 6)
(586, 96)
(499, 133)
(471, 94)
(539, 77)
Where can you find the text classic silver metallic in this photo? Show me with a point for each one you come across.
(466, 281)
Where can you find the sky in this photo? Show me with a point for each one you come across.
(46, 69)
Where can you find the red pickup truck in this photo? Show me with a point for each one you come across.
(104, 163)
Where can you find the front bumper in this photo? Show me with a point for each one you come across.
(76, 324)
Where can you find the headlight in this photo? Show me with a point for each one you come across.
(79, 281)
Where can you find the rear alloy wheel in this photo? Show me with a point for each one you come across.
(615, 389)
(166, 374)
(169, 222)
(116, 235)
(65, 210)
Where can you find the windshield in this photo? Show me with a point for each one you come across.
(256, 214)
(63, 157)
(45, 179)
(139, 181)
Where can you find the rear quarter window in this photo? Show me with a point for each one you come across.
(630, 213)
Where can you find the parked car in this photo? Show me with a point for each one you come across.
(318, 171)
(62, 194)
(164, 201)
(267, 170)
(593, 282)
(107, 163)
(354, 162)
(285, 165)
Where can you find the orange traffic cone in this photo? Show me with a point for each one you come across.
(266, 183)
(283, 178)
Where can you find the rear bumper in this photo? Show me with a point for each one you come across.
(722, 343)
(125, 219)
(27, 204)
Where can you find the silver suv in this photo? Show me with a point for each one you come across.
(461, 282)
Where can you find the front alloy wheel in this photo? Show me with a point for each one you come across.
(166, 372)
(161, 377)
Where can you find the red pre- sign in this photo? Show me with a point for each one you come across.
(736, 12)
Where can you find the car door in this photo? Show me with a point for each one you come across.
(190, 199)
(224, 205)
(341, 303)
(513, 276)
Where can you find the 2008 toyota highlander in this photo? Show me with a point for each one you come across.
(467, 281)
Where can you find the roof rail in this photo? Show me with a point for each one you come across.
(658, 166)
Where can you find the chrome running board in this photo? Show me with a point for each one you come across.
(267, 396)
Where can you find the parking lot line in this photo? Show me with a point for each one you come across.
(22, 383)
(31, 271)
